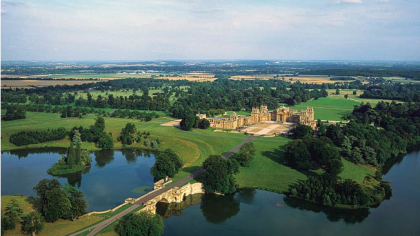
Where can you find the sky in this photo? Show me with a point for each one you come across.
(210, 30)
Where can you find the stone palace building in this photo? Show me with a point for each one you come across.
(262, 114)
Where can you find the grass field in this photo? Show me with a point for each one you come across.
(267, 172)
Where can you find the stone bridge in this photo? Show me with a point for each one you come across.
(176, 194)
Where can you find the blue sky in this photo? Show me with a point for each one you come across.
(210, 29)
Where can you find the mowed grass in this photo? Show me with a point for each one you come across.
(356, 172)
(329, 108)
(356, 98)
(193, 147)
(266, 171)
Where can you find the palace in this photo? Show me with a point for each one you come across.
(262, 114)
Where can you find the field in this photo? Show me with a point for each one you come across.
(310, 79)
(267, 172)
(356, 98)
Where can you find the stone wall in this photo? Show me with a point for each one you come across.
(176, 194)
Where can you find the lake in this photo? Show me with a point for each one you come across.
(112, 177)
(256, 212)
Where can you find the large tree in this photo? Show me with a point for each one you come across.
(218, 174)
(58, 205)
(41, 191)
(140, 224)
(167, 163)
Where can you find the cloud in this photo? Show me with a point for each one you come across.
(349, 1)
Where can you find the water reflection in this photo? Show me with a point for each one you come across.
(22, 153)
(103, 157)
(215, 208)
(333, 214)
(112, 177)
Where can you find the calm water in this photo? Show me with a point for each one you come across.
(255, 212)
(113, 176)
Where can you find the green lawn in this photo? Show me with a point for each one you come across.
(267, 171)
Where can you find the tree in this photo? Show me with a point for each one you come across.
(100, 123)
(167, 163)
(77, 141)
(245, 155)
(204, 124)
(71, 156)
(354, 92)
(189, 122)
(32, 223)
(346, 96)
(140, 224)
(337, 91)
(105, 142)
(302, 130)
(77, 201)
(12, 215)
(58, 205)
(218, 174)
(41, 190)
(126, 136)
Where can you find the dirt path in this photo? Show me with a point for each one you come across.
(94, 229)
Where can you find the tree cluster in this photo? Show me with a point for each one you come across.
(14, 113)
(55, 202)
(95, 133)
(39, 136)
(140, 224)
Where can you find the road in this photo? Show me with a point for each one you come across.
(94, 229)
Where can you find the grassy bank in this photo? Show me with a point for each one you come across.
(60, 227)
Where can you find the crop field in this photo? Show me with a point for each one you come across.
(402, 80)
(189, 78)
(304, 79)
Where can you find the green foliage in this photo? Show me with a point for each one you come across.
(140, 224)
(167, 163)
(105, 142)
(204, 124)
(14, 113)
(33, 137)
(32, 223)
(313, 153)
(189, 121)
(77, 201)
(327, 190)
(245, 155)
(218, 174)
(301, 131)
(57, 205)
(126, 136)
(54, 202)
(12, 215)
